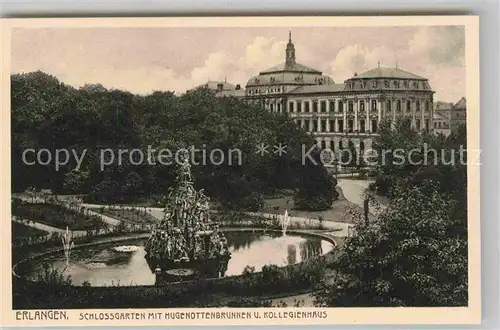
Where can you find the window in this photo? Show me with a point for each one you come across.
(427, 106)
(341, 125)
(374, 84)
(332, 126)
(418, 105)
(389, 105)
(323, 144)
(315, 106)
(315, 126)
(290, 107)
(396, 84)
(362, 146)
(341, 106)
(306, 106)
(323, 126)
(350, 125)
(386, 83)
(398, 105)
(374, 126)
(332, 106)
(427, 124)
(408, 106)
(272, 107)
(351, 106)
(341, 146)
(405, 84)
(351, 85)
(299, 106)
(363, 85)
(417, 124)
(323, 106)
(374, 105)
(362, 125)
(279, 107)
(362, 105)
(306, 125)
(435, 125)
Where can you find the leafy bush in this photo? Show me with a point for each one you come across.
(51, 276)
(316, 190)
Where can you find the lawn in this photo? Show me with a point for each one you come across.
(21, 230)
(338, 212)
(136, 216)
(57, 216)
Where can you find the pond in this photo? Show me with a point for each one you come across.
(124, 263)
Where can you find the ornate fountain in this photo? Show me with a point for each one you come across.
(186, 243)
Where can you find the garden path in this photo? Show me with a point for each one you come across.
(47, 228)
(353, 191)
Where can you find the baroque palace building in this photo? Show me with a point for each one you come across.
(336, 114)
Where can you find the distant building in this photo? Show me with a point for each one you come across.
(458, 114)
(448, 116)
(441, 118)
(336, 114)
(223, 88)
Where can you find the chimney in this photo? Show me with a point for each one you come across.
(238, 87)
(219, 87)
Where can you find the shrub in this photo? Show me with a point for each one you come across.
(363, 174)
(316, 188)
(52, 276)
(272, 277)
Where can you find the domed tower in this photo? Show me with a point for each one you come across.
(290, 52)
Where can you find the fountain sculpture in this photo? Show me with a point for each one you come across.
(186, 243)
(284, 221)
(68, 244)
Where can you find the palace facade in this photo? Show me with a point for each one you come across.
(336, 113)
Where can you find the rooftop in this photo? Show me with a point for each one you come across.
(461, 104)
(382, 72)
(215, 85)
(290, 67)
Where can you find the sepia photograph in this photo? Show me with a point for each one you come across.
(241, 171)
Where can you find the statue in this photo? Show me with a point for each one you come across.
(186, 243)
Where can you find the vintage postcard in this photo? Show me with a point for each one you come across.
(240, 171)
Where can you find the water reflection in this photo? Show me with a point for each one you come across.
(292, 255)
(310, 247)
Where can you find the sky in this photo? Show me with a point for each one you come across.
(143, 60)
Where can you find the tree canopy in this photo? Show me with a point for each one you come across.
(414, 253)
(49, 114)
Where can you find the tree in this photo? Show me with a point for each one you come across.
(316, 187)
(413, 254)
(76, 181)
(48, 114)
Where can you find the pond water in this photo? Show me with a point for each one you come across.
(123, 263)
